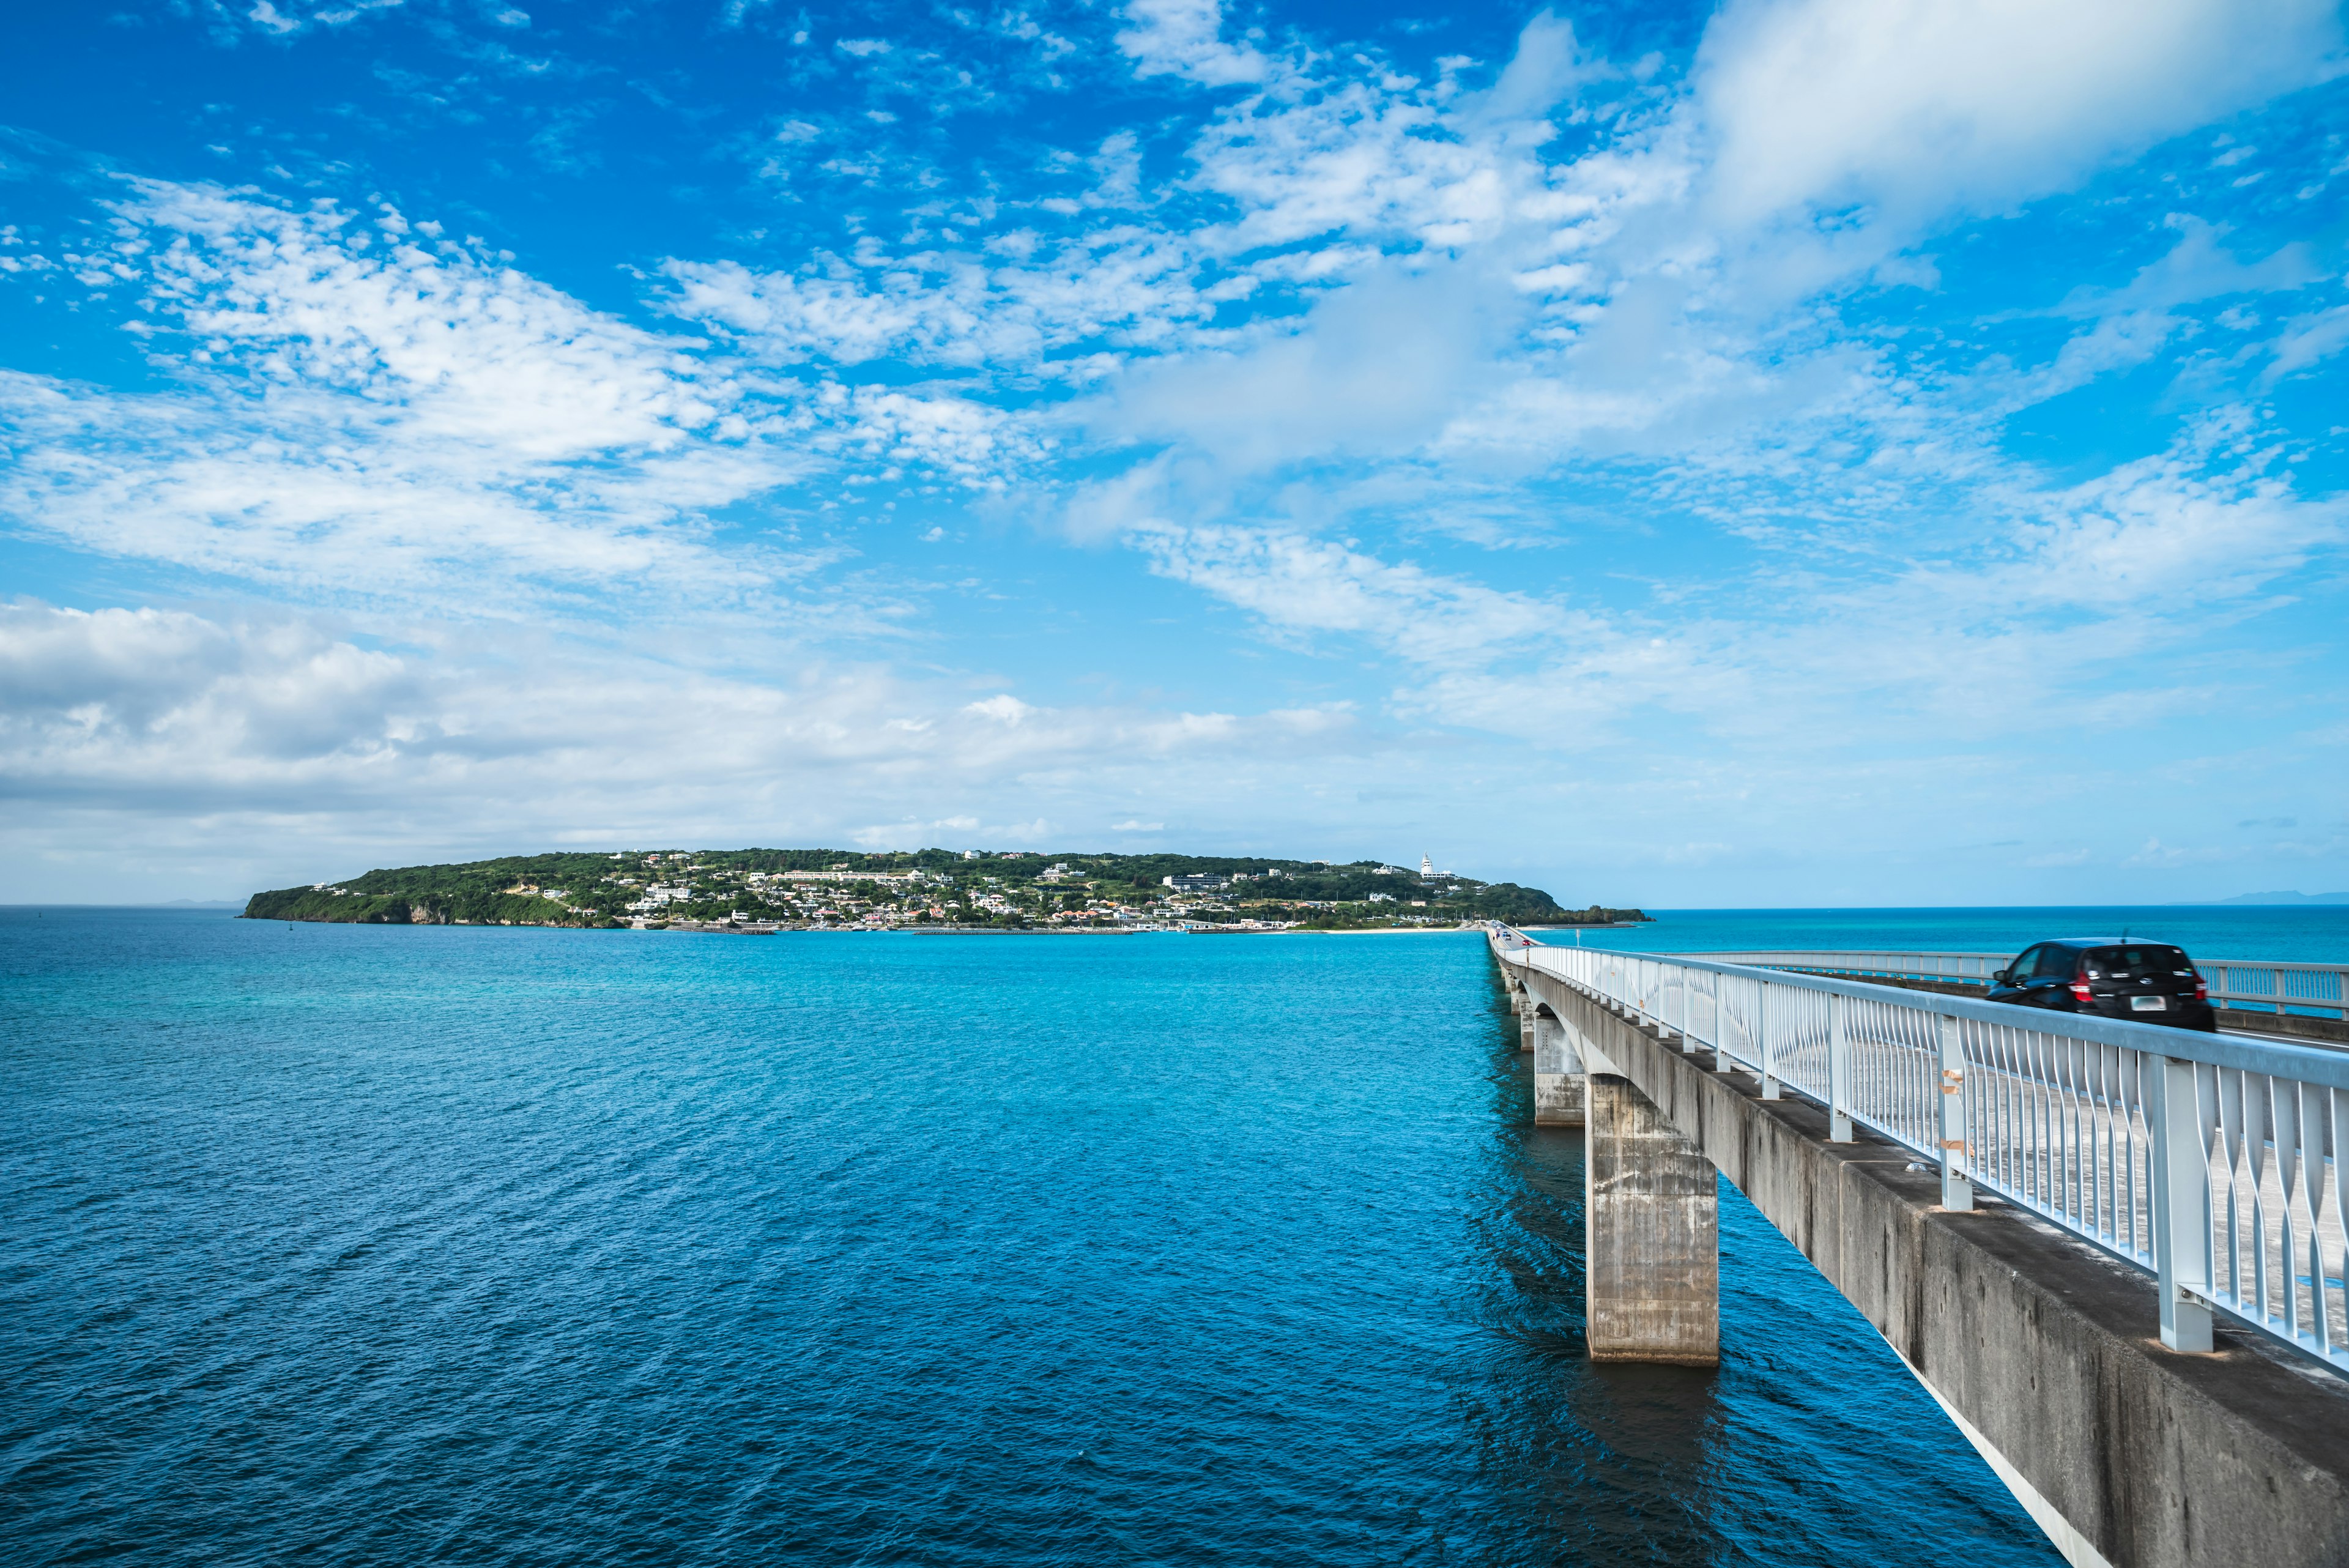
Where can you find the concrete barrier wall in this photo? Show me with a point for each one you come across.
(2047, 1353)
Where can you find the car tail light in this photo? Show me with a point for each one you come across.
(2201, 989)
(2080, 985)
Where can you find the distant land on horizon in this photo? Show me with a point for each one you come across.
(939, 888)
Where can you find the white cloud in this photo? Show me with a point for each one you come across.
(834, 317)
(309, 13)
(1379, 367)
(369, 410)
(2156, 853)
(123, 700)
(1546, 67)
(313, 746)
(1296, 583)
(1120, 288)
(2308, 339)
(1184, 38)
(1352, 157)
(1914, 106)
(1003, 708)
(2159, 537)
(2079, 589)
(2197, 268)
(473, 353)
(2135, 322)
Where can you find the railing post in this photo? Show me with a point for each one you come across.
(1957, 1191)
(1720, 1050)
(2181, 1205)
(1765, 1046)
(1838, 1072)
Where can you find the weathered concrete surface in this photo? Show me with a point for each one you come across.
(1652, 1209)
(1558, 1074)
(2322, 1031)
(2048, 1354)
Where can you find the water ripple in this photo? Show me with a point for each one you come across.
(364, 1245)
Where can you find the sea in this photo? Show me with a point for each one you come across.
(350, 1244)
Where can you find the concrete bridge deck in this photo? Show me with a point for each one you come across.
(2117, 1377)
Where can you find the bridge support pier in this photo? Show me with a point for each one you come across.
(1651, 1206)
(1558, 1075)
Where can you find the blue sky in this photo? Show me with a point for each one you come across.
(1809, 452)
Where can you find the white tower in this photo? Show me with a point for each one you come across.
(1426, 866)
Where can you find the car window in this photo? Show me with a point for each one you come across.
(2138, 960)
(2055, 962)
(2021, 968)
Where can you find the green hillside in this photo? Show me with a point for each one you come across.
(928, 886)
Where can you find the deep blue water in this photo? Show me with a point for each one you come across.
(352, 1244)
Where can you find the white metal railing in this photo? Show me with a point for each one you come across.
(1897, 965)
(2240, 983)
(2214, 1162)
(2285, 987)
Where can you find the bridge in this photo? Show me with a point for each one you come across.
(2113, 1252)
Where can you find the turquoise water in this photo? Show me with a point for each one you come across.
(356, 1245)
(2289, 933)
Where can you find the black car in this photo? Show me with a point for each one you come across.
(2109, 977)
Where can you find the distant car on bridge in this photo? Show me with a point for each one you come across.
(2112, 977)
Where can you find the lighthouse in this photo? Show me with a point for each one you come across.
(1426, 866)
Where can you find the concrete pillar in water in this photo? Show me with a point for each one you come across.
(1652, 1208)
(1558, 1074)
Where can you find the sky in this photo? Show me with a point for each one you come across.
(1796, 452)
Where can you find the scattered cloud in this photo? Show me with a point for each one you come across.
(150, 711)
(1713, 441)
(1911, 109)
(1184, 38)
(301, 15)
(365, 406)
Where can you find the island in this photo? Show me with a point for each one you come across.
(759, 891)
